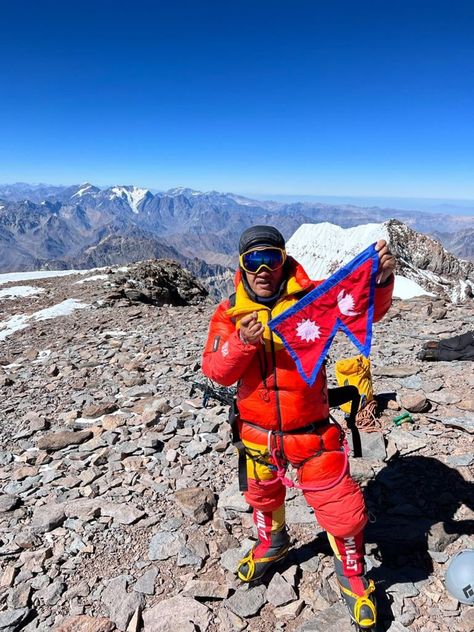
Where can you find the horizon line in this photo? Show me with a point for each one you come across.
(260, 196)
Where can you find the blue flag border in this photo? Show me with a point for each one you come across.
(328, 284)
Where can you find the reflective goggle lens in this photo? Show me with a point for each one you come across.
(271, 258)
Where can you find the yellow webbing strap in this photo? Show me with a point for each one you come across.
(361, 601)
(251, 561)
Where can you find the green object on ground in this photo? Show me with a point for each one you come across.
(403, 418)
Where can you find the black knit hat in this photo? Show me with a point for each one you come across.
(256, 236)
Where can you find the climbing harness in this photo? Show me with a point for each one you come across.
(272, 460)
(280, 467)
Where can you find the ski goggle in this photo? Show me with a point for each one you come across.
(270, 258)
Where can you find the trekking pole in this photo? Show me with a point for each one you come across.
(351, 422)
(341, 395)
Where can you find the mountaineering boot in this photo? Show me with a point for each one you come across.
(356, 590)
(263, 556)
(271, 547)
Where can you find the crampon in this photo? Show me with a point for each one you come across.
(359, 597)
(262, 557)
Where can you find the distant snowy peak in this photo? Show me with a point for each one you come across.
(212, 196)
(324, 248)
(85, 189)
(132, 195)
(240, 199)
(187, 192)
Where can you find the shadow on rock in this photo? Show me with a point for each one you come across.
(414, 501)
(383, 399)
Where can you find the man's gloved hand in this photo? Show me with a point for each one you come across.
(251, 331)
(386, 261)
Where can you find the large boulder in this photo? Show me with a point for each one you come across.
(160, 282)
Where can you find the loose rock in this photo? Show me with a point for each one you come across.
(177, 613)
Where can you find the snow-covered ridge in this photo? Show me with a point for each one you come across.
(132, 195)
(182, 191)
(324, 248)
(82, 190)
(243, 201)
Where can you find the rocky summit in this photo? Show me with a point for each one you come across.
(119, 506)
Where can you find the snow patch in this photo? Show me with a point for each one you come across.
(61, 309)
(462, 291)
(21, 321)
(8, 277)
(406, 288)
(89, 421)
(96, 277)
(242, 200)
(182, 191)
(20, 290)
(15, 323)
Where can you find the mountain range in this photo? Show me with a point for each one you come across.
(83, 226)
(423, 265)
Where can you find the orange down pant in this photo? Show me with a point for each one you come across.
(340, 510)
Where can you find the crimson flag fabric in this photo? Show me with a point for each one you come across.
(344, 301)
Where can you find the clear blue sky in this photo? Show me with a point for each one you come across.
(330, 97)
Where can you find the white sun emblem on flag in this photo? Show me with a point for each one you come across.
(345, 302)
(307, 330)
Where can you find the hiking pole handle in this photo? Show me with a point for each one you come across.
(351, 421)
(342, 395)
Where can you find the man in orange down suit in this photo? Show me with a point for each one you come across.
(279, 411)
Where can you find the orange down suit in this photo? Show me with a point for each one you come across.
(272, 396)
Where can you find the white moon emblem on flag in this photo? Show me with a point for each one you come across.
(345, 302)
(307, 330)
